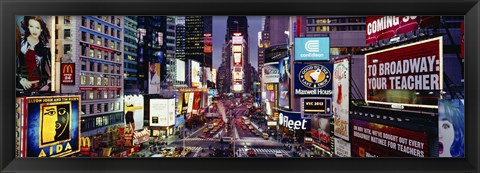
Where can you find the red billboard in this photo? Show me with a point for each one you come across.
(407, 75)
(68, 73)
(384, 27)
(377, 140)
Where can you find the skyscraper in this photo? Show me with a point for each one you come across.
(131, 85)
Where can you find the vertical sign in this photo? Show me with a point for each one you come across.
(68, 73)
(341, 98)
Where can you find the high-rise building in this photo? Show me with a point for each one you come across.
(130, 67)
(194, 38)
(169, 38)
(95, 45)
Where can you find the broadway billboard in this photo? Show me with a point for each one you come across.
(407, 75)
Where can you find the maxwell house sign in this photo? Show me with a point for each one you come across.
(313, 79)
(52, 126)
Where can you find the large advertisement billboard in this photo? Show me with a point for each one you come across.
(154, 78)
(320, 130)
(408, 75)
(134, 108)
(293, 120)
(378, 140)
(284, 83)
(34, 68)
(270, 72)
(162, 112)
(341, 99)
(451, 128)
(312, 49)
(313, 79)
(195, 74)
(52, 126)
(180, 70)
(384, 27)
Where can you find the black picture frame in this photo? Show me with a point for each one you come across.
(10, 8)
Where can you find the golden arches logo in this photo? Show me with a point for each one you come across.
(85, 142)
(67, 68)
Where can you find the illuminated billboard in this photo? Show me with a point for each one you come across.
(451, 128)
(195, 73)
(284, 83)
(51, 126)
(180, 70)
(134, 108)
(313, 79)
(270, 72)
(341, 98)
(409, 75)
(34, 70)
(384, 27)
(154, 78)
(312, 49)
(162, 112)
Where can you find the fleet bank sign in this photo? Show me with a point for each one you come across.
(312, 49)
(293, 120)
(313, 79)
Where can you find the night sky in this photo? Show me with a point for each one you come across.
(219, 31)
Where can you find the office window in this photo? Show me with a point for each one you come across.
(66, 48)
(91, 81)
(112, 32)
(66, 34)
(105, 120)
(66, 20)
(105, 18)
(112, 106)
(84, 36)
(99, 27)
(118, 105)
(112, 56)
(105, 68)
(112, 44)
(99, 108)
(99, 40)
(91, 109)
(84, 50)
(118, 21)
(105, 107)
(99, 54)
(112, 19)
(105, 42)
(84, 108)
(92, 37)
(90, 96)
(105, 95)
(105, 81)
(118, 46)
(99, 80)
(83, 80)
(105, 30)
(105, 55)
(99, 94)
(99, 67)
(92, 66)
(118, 34)
(84, 21)
(99, 121)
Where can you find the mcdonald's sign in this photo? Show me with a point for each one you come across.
(85, 145)
(68, 73)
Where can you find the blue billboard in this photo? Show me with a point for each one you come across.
(293, 120)
(284, 83)
(313, 79)
(312, 49)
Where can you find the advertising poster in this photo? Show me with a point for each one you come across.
(451, 128)
(195, 74)
(52, 128)
(284, 83)
(341, 99)
(320, 130)
(162, 112)
(377, 140)
(384, 27)
(197, 97)
(293, 120)
(180, 104)
(67, 73)
(189, 97)
(313, 79)
(134, 108)
(312, 49)
(154, 78)
(180, 70)
(342, 148)
(34, 67)
(270, 72)
(316, 106)
(406, 75)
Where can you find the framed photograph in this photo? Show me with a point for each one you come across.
(239, 86)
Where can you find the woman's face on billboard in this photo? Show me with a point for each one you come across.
(34, 28)
(446, 137)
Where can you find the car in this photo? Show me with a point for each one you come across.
(205, 130)
(251, 153)
(257, 134)
(264, 135)
(278, 154)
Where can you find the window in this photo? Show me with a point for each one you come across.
(91, 81)
(118, 46)
(112, 19)
(66, 48)
(118, 83)
(105, 42)
(105, 120)
(66, 33)
(99, 54)
(90, 96)
(118, 21)
(92, 53)
(105, 55)
(112, 32)
(118, 34)
(84, 21)
(118, 105)
(91, 38)
(83, 80)
(92, 25)
(91, 109)
(99, 108)
(84, 36)
(99, 27)
(105, 94)
(99, 40)
(99, 67)
(105, 107)
(92, 67)
(99, 94)
(84, 65)
(98, 121)
(105, 68)
(112, 44)
(99, 81)
(84, 108)
(66, 20)
(112, 106)
(105, 81)
(112, 56)
(105, 18)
